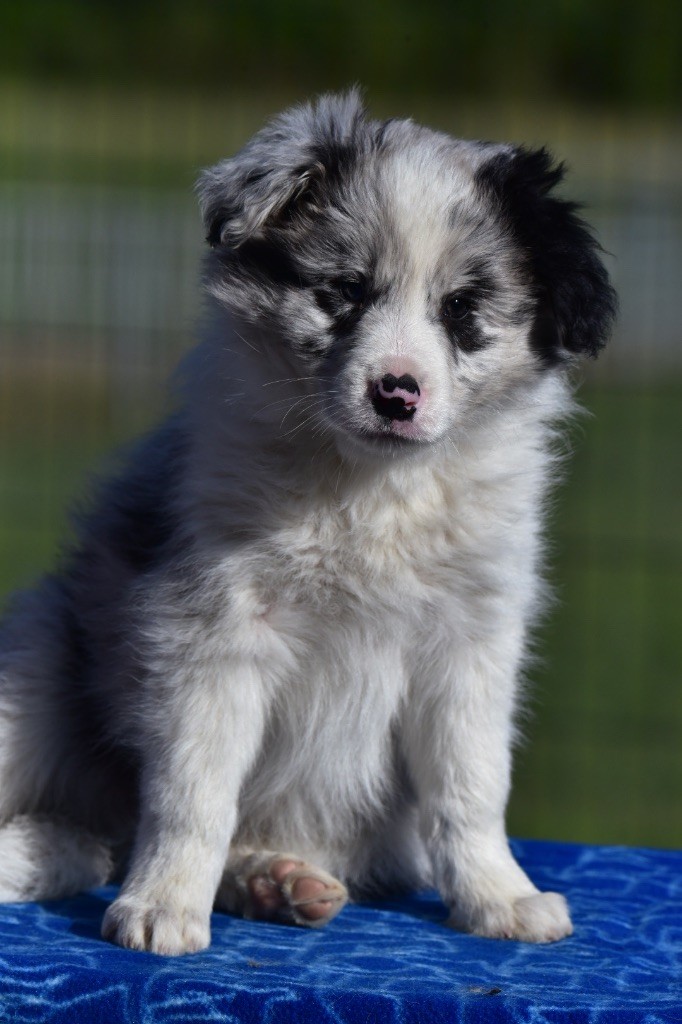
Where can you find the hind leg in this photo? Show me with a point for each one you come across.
(43, 859)
(32, 728)
(45, 784)
(279, 887)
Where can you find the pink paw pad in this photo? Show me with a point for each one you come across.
(295, 891)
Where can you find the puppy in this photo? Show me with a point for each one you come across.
(280, 664)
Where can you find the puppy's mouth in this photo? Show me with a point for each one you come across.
(382, 438)
(375, 448)
(388, 439)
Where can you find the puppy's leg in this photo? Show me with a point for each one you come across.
(206, 731)
(43, 859)
(42, 856)
(457, 741)
(268, 886)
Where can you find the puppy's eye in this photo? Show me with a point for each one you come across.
(456, 306)
(353, 290)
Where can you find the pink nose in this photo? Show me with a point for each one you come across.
(396, 398)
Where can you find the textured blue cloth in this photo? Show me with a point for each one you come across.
(385, 962)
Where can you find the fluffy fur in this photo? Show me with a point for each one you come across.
(282, 658)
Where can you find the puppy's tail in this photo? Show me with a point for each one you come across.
(44, 859)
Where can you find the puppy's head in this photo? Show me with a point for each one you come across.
(417, 281)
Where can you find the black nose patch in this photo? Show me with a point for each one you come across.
(396, 398)
(405, 383)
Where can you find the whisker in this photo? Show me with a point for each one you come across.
(308, 418)
(248, 343)
(287, 380)
(312, 400)
(284, 401)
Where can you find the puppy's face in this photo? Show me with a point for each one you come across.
(418, 282)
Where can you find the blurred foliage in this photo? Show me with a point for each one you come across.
(578, 49)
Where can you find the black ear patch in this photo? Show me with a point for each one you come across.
(576, 304)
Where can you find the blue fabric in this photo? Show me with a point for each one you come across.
(386, 962)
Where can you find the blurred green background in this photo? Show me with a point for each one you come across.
(108, 110)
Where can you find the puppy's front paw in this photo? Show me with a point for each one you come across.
(166, 928)
(541, 917)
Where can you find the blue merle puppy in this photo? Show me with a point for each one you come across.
(281, 662)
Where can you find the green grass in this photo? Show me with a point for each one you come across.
(601, 761)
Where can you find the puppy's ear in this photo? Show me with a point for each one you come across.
(576, 304)
(240, 198)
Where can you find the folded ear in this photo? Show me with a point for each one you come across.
(261, 185)
(576, 304)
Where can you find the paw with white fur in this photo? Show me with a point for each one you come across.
(166, 928)
(540, 917)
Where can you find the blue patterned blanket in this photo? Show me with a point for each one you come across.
(387, 962)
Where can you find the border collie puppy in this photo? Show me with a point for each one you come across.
(280, 664)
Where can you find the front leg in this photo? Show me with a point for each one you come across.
(457, 737)
(198, 745)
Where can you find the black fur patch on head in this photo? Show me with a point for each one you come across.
(264, 261)
(458, 309)
(346, 313)
(463, 329)
(482, 277)
(575, 303)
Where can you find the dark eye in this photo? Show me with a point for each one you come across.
(353, 290)
(456, 306)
